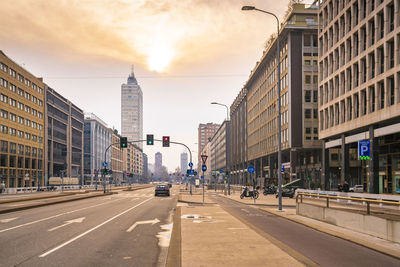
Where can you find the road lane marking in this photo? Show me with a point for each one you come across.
(8, 220)
(79, 220)
(54, 216)
(92, 229)
(142, 222)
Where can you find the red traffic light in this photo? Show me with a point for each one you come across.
(165, 141)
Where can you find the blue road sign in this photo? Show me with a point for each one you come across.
(202, 177)
(251, 169)
(364, 149)
(191, 172)
(104, 164)
(221, 171)
(190, 164)
(204, 167)
(283, 169)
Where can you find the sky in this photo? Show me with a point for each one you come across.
(186, 54)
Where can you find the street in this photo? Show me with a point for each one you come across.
(116, 230)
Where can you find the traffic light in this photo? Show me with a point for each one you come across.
(105, 171)
(150, 139)
(165, 141)
(123, 141)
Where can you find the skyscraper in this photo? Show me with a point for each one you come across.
(206, 132)
(158, 164)
(132, 110)
(184, 162)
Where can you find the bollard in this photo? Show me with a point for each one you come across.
(327, 202)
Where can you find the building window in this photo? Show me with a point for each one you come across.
(307, 113)
(315, 113)
(390, 82)
(307, 96)
(308, 79)
(381, 88)
(371, 94)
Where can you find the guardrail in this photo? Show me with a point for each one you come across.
(26, 190)
(363, 200)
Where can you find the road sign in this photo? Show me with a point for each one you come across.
(190, 164)
(191, 172)
(204, 158)
(251, 169)
(364, 150)
(283, 169)
(104, 164)
(202, 177)
(204, 167)
(221, 171)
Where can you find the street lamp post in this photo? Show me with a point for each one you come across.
(227, 108)
(279, 102)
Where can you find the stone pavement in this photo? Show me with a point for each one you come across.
(195, 235)
(210, 236)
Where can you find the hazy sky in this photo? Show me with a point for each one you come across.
(186, 53)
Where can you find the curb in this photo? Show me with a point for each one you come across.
(389, 252)
(38, 197)
(8, 210)
(192, 202)
(174, 257)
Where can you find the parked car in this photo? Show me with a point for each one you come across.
(161, 189)
(357, 188)
(287, 192)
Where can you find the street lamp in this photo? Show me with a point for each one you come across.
(227, 108)
(246, 8)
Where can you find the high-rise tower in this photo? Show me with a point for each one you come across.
(132, 110)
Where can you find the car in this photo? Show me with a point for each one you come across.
(357, 188)
(287, 192)
(161, 189)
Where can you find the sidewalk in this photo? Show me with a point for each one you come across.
(212, 237)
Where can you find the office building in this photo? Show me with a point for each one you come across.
(64, 137)
(116, 158)
(219, 158)
(157, 165)
(132, 110)
(301, 148)
(184, 162)
(239, 138)
(205, 132)
(97, 137)
(359, 95)
(21, 126)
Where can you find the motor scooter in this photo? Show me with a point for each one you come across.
(250, 193)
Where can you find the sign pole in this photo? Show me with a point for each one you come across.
(203, 187)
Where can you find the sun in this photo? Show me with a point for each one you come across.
(160, 57)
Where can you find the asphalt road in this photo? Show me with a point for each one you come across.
(321, 248)
(130, 228)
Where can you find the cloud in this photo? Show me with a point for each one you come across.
(151, 33)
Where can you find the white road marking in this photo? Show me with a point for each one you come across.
(54, 216)
(8, 220)
(142, 222)
(92, 229)
(237, 228)
(79, 220)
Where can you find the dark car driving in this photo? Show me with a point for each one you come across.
(161, 189)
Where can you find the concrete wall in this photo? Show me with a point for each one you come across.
(367, 224)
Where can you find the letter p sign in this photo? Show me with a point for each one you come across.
(364, 151)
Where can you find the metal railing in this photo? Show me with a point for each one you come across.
(363, 200)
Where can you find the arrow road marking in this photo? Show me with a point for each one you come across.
(92, 229)
(142, 222)
(8, 220)
(79, 220)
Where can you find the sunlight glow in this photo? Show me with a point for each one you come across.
(160, 57)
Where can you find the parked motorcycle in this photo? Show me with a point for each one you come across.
(250, 193)
(269, 190)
